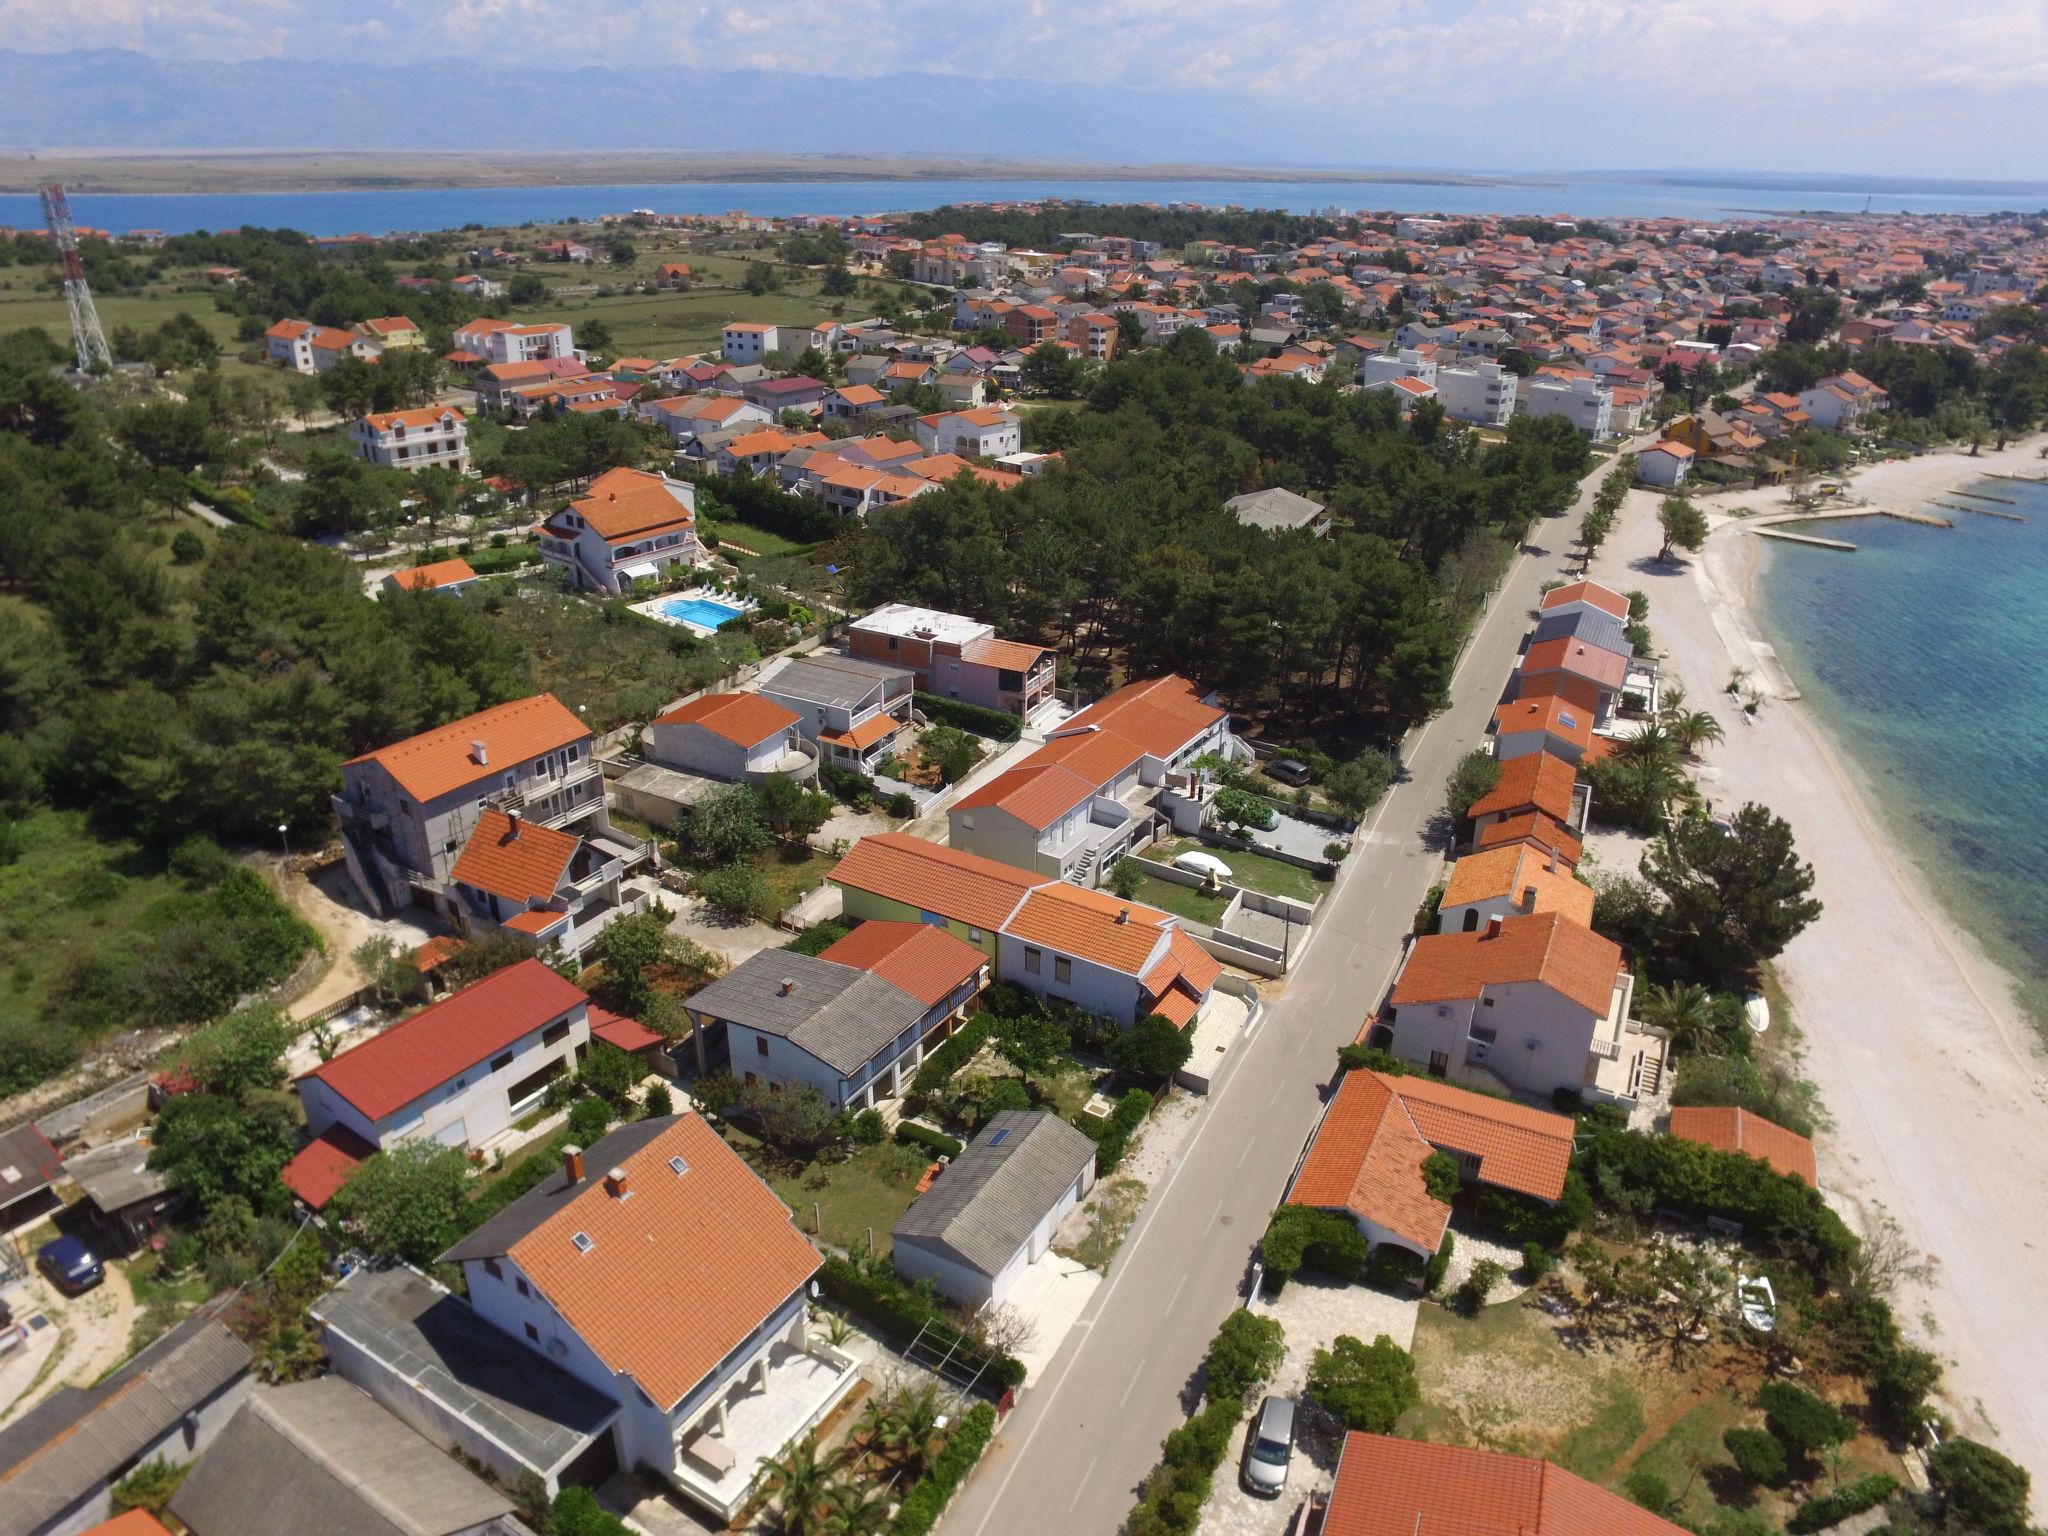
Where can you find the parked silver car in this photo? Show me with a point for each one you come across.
(1269, 1448)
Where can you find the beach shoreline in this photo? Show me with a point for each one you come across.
(1912, 1030)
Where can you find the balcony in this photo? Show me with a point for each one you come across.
(774, 1401)
(530, 792)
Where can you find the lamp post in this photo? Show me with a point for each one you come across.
(282, 836)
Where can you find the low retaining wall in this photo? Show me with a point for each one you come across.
(1235, 948)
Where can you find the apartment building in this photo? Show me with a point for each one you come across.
(434, 436)
(500, 341)
(746, 341)
(852, 710)
(1483, 394)
(989, 431)
(1584, 402)
(632, 525)
(956, 657)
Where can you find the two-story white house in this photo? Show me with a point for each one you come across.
(457, 1072)
(500, 341)
(407, 810)
(553, 889)
(851, 710)
(289, 344)
(631, 524)
(1046, 818)
(431, 436)
(988, 431)
(853, 1022)
(748, 341)
(1842, 402)
(658, 1269)
(730, 736)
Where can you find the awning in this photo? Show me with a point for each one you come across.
(640, 569)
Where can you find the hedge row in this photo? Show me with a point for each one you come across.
(901, 1314)
(927, 1498)
(997, 723)
(1849, 1499)
(951, 1056)
(1302, 1237)
(231, 502)
(1171, 1504)
(912, 1135)
(1112, 1137)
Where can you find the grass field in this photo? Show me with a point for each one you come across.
(760, 541)
(1253, 871)
(841, 1203)
(1183, 900)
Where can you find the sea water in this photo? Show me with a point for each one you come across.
(1925, 655)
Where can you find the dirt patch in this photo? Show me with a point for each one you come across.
(1092, 1232)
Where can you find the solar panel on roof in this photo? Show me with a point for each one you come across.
(1000, 1137)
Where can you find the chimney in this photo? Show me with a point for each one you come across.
(572, 1164)
(1493, 927)
(1551, 863)
(615, 1184)
(787, 986)
(1123, 915)
(480, 752)
(1528, 898)
(513, 835)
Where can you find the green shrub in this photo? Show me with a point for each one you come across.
(1173, 1495)
(657, 1102)
(1801, 1422)
(1433, 1271)
(899, 1313)
(1364, 1386)
(900, 805)
(1517, 1218)
(187, 548)
(1981, 1490)
(1300, 1237)
(576, 1512)
(1242, 1357)
(868, 1128)
(1646, 1488)
(1112, 1137)
(1850, 1499)
(951, 1056)
(1440, 1177)
(1757, 1455)
(995, 723)
(1536, 1261)
(1477, 1286)
(927, 1497)
(588, 1118)
(150, 1485)
(916, 1135)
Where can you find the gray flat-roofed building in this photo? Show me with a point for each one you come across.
(1279, 510)
(993, 1212)
(322, 1456)
(423, 1353)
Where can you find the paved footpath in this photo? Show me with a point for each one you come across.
(1081, 1442)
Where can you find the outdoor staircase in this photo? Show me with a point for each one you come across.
(1652, 1078)
(1083, 872)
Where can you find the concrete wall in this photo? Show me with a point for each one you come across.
(996, 834)
(184, 1443)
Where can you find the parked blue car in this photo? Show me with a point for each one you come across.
(71, 1266)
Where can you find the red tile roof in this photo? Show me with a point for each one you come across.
(961, 886)
(1737, 1130)
(324, 1164)
(1596, 663)
(1013, 654)
(423, 416)
(1513, 871)
(927, 962)
(1519, 1148)
(1185, 968)
(1389, 1487)
(1037, 794)
(679, 1274)
(1535, 780)
(1606, 599)
(1536, 830)
(1161, 714)
(630, 503)
(523, 866)
(1091, 925)
(435, 762)
(744, 719)
(418, 1054)
(1570, 959)
(629, 1035)
(135, 1522)
(442, 573)
(1553, 716)
(1367, 1159)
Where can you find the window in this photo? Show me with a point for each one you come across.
(760, 1045)
(1033, 960)
(555, 1033)
(974, 935)
(500, 1063)
(533, 1333)
(1471, 919)
(494, 1269)
(1486, 1002)
(524, 1288)
(1062, 968)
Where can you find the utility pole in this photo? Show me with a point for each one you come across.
(87, 338)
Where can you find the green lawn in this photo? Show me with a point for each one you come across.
(1253, 871)
(761, 541)
(1183, 900)
(841, 1202)
(160, 1305)
(26, 300)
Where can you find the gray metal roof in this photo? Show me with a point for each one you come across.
(27, 1163)
(495, 1237)
(1275, 509)
(986, 1203)
(116, 1176)
(845, 682)
(838, 1013)
(78, 1438)
(435, 1341)
(323, 1456)
(1589, 625)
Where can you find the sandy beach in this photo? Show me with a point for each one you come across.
(1932, 1077)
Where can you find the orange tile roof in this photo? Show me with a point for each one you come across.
(435, 762)
(860, 394)
(1367, 1158)
(877, 727)
(1390, 1487)
(1085, 924)
(1590, 592)
(629, 503)
(1519, 1148)
(1551, 715)
(678, 1274)
(1178, 1008)
(134, 1522)
(535, 923)
(1596, 663)
(1560, 685)
(1097, 756)
(1737, 1130)
(1016, 655)
(927, 962)
(1513, 871)
(1161, 714)
(628, 1035)
(745, 719)
(1570, 959)
(1537, 831)
(439, 948)
(1037, 794)
(418, 1054)
(962, 886)
(1534, 780)
(523, 866)
(1186, 967)
(319, 1169)
(442, 573)
(425, 416)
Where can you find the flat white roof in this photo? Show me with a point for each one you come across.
(925, 623)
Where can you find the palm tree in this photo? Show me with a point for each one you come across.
(1694, 728)
(855, 1508)
(913, 1435)
(1652, 744)
(1673, 699)
(1693, 1018)
(802, 1484)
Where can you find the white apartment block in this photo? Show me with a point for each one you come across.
(747, 341)
(495, 341)
(433, 435)
(1385, 367)
(1582, 402)
(1483, 393)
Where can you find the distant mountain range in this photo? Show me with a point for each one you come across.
(117, 99)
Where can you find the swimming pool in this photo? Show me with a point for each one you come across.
(698, 612)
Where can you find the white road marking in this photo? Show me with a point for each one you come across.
(1078, 1487)
(1137, 1373)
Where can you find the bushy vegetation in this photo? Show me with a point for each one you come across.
(995, 723)
(898, 1313)
(1364, 1386)
(1838, 1504)
(927, 1498)
(1174, 1493)
(1300, 1237)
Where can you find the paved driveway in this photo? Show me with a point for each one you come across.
(1080, 1443)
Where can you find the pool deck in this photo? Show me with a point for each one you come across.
(656, 608)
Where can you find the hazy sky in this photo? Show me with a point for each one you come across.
(1935, 87)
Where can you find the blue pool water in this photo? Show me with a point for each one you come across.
(701, 611)
(1923, 653)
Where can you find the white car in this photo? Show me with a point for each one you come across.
(1757, 1302)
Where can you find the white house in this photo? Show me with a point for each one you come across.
(434, 436)
(988, 431)
(1483, 393)
(748, 341)
(851, 709)
(1585, 403)
(1665, 464)
(1404, 363)
(500, 341)
(1842, 401)
(724, 1370)
(993, 1212)
(630, 525)
(730, 736)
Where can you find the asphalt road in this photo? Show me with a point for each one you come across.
(1083, 1439)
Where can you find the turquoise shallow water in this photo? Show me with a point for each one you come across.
(1925, 654)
